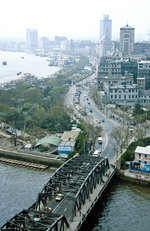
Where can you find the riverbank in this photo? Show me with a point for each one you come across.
(134, 177)
(41, 159)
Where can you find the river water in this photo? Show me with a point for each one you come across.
(123, 206)
(25, 63)
(19, 188)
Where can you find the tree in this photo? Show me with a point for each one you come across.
(33, 95)
(121, 137)
(138, 109)
(140, 133)
(91, 133)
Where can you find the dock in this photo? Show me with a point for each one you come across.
(23, 164)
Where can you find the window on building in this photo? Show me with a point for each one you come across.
(145, 162)
(145, 155)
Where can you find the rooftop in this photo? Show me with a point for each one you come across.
(53, 140)
(127, 28)
(143, 150)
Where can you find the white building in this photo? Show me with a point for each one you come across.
(105, 36)
(142, 155)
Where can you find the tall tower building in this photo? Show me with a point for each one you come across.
(105, 35)
(126, 40)
(32, 39)
(106, 28)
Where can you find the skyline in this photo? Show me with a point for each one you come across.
(78, 19)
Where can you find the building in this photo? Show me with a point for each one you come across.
(31, 39)
(67, 143)
(142, 155)
(141, 162)
(45, 43)
(122, 93)
(48, 144)
(105, 35)
(106, 28)
(115, 66)
(126, 41)
(142, 48)
(144, 72)
(141, 83)
(144, 97)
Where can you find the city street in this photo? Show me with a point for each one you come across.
(96, 116)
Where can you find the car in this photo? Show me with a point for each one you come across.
(103, 120)
(59, 197)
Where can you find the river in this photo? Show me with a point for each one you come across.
(19, 188)
(123, 206)
(25, 63)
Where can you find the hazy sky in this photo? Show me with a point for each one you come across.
(73, 18)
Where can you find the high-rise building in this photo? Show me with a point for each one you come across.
(105, 35)
(106, 28)
(126, 40)
(32, 39)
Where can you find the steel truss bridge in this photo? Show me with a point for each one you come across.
(76, 180)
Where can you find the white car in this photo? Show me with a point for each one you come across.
(59, 197)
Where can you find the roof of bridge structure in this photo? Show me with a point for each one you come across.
(73, 173)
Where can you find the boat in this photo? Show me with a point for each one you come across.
(4, 63)
(19, 73)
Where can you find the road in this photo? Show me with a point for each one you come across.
(96, 116)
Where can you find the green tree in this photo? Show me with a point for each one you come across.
(33, 95)
(138, 109)
(121, 137)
